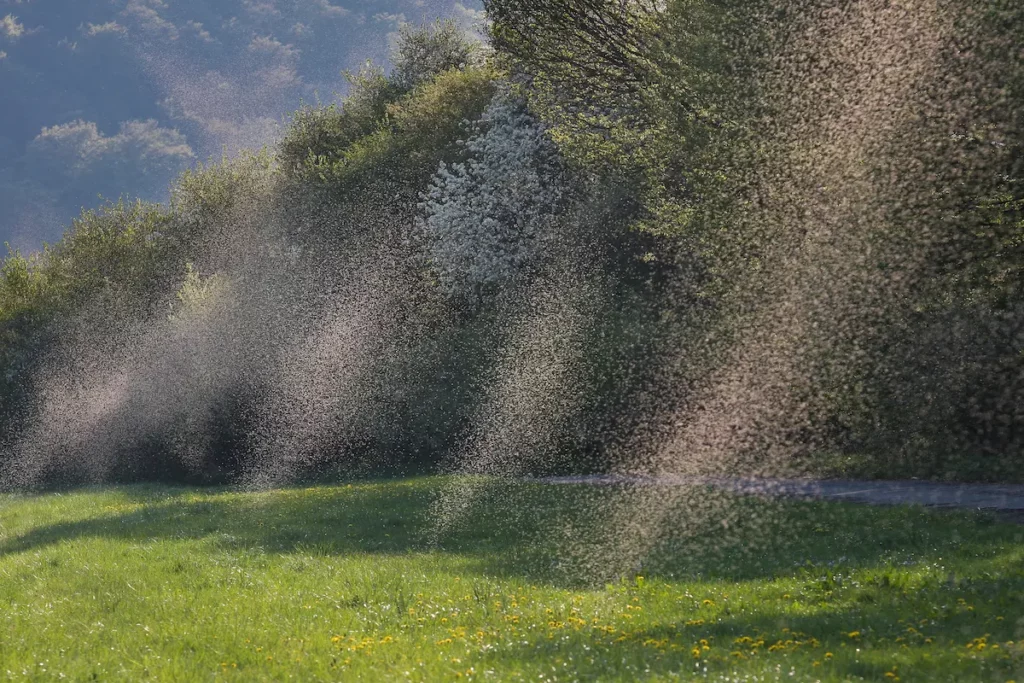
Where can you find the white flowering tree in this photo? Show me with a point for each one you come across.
(491, 218)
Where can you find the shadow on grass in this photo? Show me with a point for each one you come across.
(521, 529)
(893, 629)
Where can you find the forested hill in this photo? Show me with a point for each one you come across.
(688, 237)
(112, 98)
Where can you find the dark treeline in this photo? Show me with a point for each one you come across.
(702, 235)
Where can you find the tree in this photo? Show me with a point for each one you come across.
(423, 52)
(323, 133)
(592, 47)
(489, 219)
(321, 136)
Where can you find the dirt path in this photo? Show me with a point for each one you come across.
(1007, 498)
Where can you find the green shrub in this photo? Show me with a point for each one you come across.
(318, 135)
(424, 52)
(422, 130)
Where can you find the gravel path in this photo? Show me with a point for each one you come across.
(1000, 497)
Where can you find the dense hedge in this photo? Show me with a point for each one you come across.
(374, 295)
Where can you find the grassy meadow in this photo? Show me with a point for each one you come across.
(347, 582)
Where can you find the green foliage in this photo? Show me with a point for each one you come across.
(209, 193)
(650, 93)
(319, 137)
(422, 129)
(586, 47)
(22, 284)
(137, 248)
(26, 305)
(424, 52)
(670, 99)
(113, 254)
(119, 245)
(196, 295)
(112, 246)
(662, 114)
(588, 69)
(321, 134)
(942, 396)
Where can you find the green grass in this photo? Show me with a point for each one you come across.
(344, 583)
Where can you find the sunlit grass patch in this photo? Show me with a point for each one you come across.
(348, 582)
